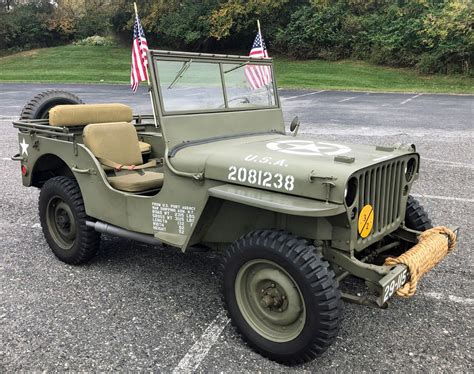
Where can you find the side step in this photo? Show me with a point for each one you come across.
(107, 228)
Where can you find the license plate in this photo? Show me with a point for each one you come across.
(393, 281)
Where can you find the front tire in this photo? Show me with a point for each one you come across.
(63, 220)
(281, 296)
(416, 217)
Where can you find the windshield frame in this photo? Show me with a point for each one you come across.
(157, 55)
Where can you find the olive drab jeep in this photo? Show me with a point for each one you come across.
(214, 166)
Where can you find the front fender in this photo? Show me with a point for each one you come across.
(276, 202)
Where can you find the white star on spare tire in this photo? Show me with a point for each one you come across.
(308, 148)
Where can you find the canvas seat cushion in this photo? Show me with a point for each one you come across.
(117, 141)
(133, 181)
(144, 147)
(84, 114)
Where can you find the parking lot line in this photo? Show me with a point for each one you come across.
(349, 98)
(450, 163)
(435, 197)
(306, 94)
(410, 99)
(198, 352)
(456, 299)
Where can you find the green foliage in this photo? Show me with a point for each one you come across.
(27, 27)
(434, 36)
(448, 39)
(313, 34)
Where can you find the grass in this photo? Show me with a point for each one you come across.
(362, 76)
(84, 64)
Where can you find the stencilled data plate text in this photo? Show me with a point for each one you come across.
(172, 217)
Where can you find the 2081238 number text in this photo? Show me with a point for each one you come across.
(261, 178)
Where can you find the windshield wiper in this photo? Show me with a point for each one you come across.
(181, 72)
(236, 67)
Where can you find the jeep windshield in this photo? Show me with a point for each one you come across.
(188, 85)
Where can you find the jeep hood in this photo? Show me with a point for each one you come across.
(300, 166)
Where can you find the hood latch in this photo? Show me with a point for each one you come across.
(328, 182)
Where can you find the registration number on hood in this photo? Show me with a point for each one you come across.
(261, 178)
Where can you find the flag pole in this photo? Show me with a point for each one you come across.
(136, 16)
(259, 31)
(148, 78)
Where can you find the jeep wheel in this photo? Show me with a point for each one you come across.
(416, 218)
(281, 296)
(38, 107)
(63, 219)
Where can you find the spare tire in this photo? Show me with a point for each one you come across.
(416, 217)
(38, 107)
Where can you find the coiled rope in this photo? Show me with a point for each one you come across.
(433, 245)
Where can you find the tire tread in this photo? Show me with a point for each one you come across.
(320, 279)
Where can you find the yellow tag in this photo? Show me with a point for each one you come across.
(366, 221)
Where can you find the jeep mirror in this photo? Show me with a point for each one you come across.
(295, 125)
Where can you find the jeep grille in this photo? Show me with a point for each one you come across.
(382, 187)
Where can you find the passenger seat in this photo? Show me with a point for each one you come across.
(117, 148)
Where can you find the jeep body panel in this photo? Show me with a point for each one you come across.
(310, 163)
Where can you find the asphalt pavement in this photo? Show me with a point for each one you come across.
(142, 308)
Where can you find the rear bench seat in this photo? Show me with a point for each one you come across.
(113, 140)
(84, 114)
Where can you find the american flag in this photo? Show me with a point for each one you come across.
(258, 75)
(139, 71)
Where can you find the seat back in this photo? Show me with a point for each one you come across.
(84, 114)
(115, 141)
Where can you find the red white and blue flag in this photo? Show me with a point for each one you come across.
(258, 75)
(139, 71)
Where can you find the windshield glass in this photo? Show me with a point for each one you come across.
(248, 85)
(195, 86)
(190, 85)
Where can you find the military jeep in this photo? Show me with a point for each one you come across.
(214, 166)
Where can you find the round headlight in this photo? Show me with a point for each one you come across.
(351, 191)
(410, 169)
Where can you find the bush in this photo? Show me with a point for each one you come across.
(313, 34)
(96, 40)
(27, 26)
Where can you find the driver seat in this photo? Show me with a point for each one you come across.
(116, 146)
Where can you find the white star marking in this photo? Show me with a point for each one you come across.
(308, 148)
(24, 147)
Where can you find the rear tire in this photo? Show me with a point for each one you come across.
(38, 107)
(63, 220)
(281, 296)
(416, 218)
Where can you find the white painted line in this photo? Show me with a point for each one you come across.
(410, 99)
(450, 163)
(198, 352)
(306, 94)
(349, 98)
(9, 118)
(434, 197)
(6, 159)
(456, 299)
